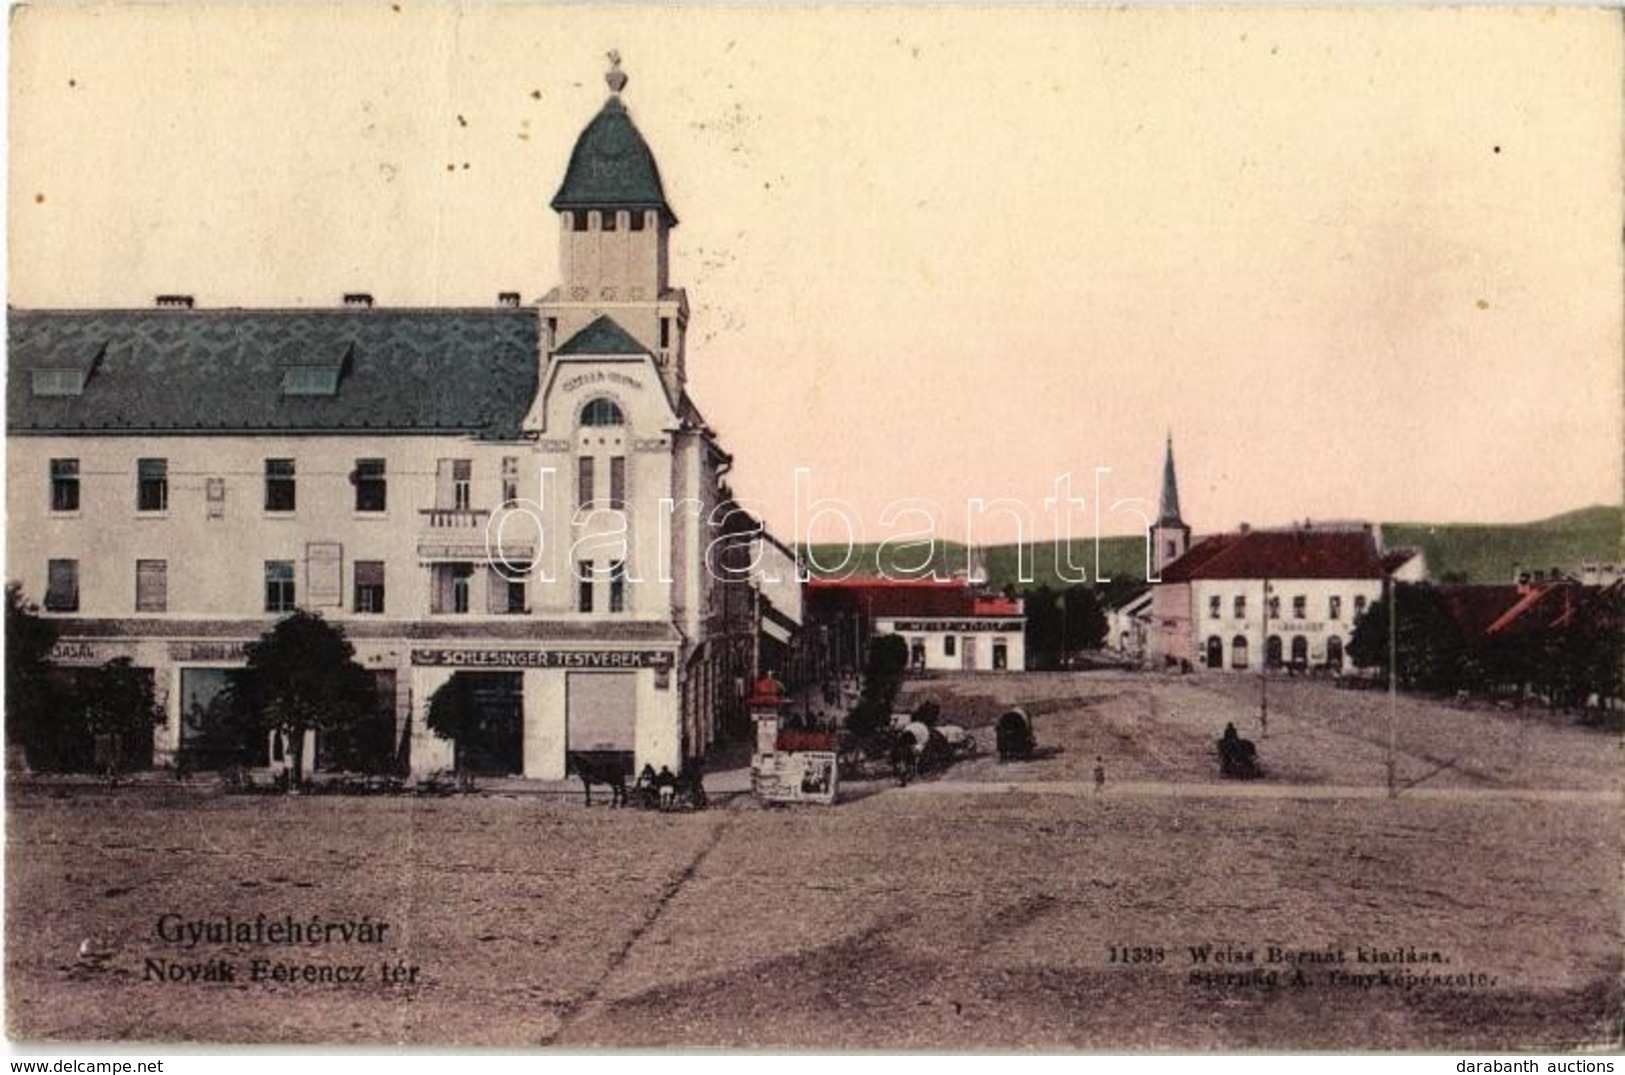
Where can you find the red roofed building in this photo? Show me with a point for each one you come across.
(948, 625)
(1286, 596)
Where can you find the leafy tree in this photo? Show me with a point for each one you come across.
(118, 703)
(455, 714)
(302, 676)
(882, 680)
(1428, 644)
(34, 701)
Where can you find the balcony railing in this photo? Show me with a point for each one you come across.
(456, 518)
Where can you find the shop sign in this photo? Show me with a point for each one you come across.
(72, 652)
(208, 651)
(558, 658)
(957, 625)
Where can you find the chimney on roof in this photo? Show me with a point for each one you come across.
(1245, 528)
(173, 302)
(357, 300)
(508, 298)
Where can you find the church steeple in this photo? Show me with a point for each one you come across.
(1169, 507)
(1170, 537)
(614, 240)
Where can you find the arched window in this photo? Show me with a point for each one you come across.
(1215, 652)
(602, 412)
(1334, 653)
(1272, 651)
(1300, 651)
(1238, 652)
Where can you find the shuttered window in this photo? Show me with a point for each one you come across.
(152, 585)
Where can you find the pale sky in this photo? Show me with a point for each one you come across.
(1363, 264)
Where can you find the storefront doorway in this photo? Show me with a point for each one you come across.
(495, 743)
(601, 715)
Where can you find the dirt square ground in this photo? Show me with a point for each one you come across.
(1005, 907)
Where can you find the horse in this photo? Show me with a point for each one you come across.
(598, 770)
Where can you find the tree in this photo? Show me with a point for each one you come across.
(1428, 644)
(302, 676)
(34, 701)
(882, 681)
(455, 714)
(118, 703)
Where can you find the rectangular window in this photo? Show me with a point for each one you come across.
(461, 577)
(948, 646)
(462, 484)
(1241, 606)
(617, 586)
(369, 586)
(634, 219)
(510, 478)
(371, 486)
(1213, 604)
(610, 218)
(617, 482)
(214, 494)
(152, 485)
(62, 586)
(1275, 607)
(578, 220)
(152, 585)
(451, 588)
(64, 485)
(279, 586)
(453, 486)
(1334, 608)
(584, 586)
(1300, 607)
(505, 589)
(665, 332)
(584, 482)
(1359, 605)
(279, 485)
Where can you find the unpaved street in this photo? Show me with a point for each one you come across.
(979, 909)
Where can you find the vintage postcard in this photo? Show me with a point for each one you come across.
(817, 527)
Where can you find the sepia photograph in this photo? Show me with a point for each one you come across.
(812, 528)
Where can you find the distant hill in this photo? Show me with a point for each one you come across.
(1475, 552)
(1483, 553)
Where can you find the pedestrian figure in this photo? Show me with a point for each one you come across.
(1100, 774)
(667, 783)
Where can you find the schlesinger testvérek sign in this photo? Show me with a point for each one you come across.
(555, 658)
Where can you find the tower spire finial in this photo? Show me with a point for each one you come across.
(615, 77)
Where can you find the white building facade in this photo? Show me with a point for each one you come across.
(524, 495)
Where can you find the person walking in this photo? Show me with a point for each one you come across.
(1100, 774)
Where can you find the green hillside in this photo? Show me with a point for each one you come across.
(1480, 553)
(1458, 551)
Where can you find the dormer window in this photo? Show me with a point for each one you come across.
(602, 412)
(610, 218)
(578, 219)
(311, 380)
(634, 219)
(58, 382)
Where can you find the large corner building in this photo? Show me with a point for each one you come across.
(523, 494)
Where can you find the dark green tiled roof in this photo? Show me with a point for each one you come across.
(602, 337)
(611, 167)
(419, 371)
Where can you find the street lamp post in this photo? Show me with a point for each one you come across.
(1264, 668)
(1393, 679)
